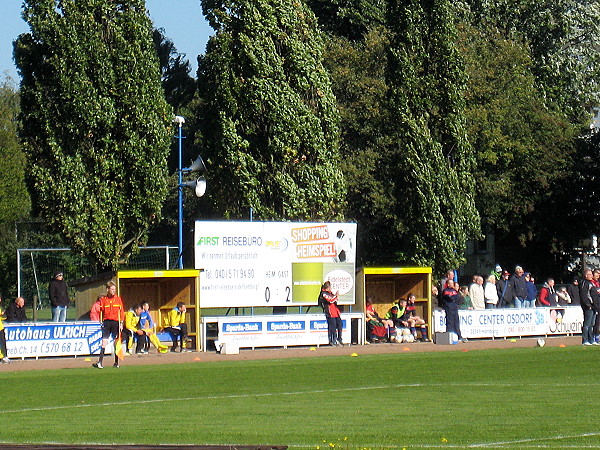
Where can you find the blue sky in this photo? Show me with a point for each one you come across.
(182, 20)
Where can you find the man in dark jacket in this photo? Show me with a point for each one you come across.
(451, 300)
(519, 286)
(59, 299)
(505, 290)
(590, 301)
(15, 312)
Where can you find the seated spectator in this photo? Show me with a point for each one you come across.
(531, 291)
(400, 316)
(16, 311)
(490, 293)
(131, 331)
(414, 319)
(148, 328)
(548, 295)
(175, 325)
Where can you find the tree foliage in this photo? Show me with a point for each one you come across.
(430, 162)
(563, 38)
(357, 71)
(95, 122)
(15, 203)
(351, 19)
(270, 121)
(175, 70)
(523, 147)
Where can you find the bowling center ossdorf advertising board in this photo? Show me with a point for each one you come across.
(273, 263)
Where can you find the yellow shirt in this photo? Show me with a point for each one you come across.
(174, 318)
(131, 320)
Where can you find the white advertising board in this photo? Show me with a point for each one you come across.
(279, 331)
(247, 264)
(488, 323)
(32, 340)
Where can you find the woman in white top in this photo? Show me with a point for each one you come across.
(490, 292)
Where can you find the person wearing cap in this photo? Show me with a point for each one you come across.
(59, 299)
(504, 287)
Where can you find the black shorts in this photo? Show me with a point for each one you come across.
(110, 328)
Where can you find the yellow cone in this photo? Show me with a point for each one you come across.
(354, 354)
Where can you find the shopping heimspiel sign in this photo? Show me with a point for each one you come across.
(273, 263)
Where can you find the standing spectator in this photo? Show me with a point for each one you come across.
(451, 301)
(435, 297)
(3, 350)
(95, 310)
(564, 299)
(111, 316)
(59, 298)
(16, 311)
(465, 302)
(548, 296)
(176, 326)
(505, 290)
(573, 290)
(444, 282)
(519, 286)
(590, 300)
(531, 291)
(476, 293)
(497, 272)
(596, 283)
(491, 293)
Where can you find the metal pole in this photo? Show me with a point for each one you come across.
(180, 197)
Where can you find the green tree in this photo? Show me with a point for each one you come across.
(351, 19)
(357, 71)
(95, 122)
(15, 203)
(430, 163)
(270, 120)
(523, 147)
(562, 37)
(175, 70)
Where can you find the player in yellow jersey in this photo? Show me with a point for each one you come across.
(175, 325)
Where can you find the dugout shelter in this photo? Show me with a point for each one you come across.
(384, 285)
(162, 289)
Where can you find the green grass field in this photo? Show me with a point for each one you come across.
(515, 398)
